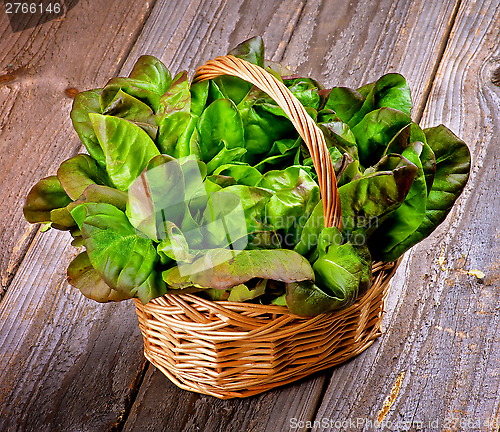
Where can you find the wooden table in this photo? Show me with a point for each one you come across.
(69, 364)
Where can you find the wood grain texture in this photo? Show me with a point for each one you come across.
(208, 28)
(162, 406)
(442, 324)
(36, 67)
(354, 42)
(68, 363)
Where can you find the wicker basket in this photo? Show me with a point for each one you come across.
(227, 349)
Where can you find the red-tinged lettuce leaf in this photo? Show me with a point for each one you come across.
(223, 268)
(224, 221)
(296, 195)
(224, 157)
(85, 103)
(241, 293)
(127, 148)
(83, 276)
(251, 50)
(367, 201)
(253, 201)
(407, 135)
(47, 195)
(262, 128)
(277, 69)
(61, 218)
(132, 109)
(242, 173)
(183, 139)
(149, 69)
(238, 293)
(174, 115)
(124, 260)
(307, 299)
(390, 91)
(403, 221)
(345, 102)
(79, 172)
(148, 81)
(175, 247)
(135, 88)
(410, 134)
(452, 172)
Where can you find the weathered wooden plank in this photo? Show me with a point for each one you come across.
(36, 67)
(162, 406)
(58, 349)
(443, 324)
(351, 43)
(208, 28)
(212, 417)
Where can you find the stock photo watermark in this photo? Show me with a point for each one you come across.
(369, 424)
(28, 14)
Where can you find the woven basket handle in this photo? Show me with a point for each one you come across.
(307, 129)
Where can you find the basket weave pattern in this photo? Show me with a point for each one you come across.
(228, 349)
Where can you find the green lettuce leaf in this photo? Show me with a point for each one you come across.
(251, 50)
(452, 172)
(83, 276)
(79, 172)
(374, 132)
(367, 201)
(127, 148)
(173, 116)
(403, 222)
(47, 195)
(132, 109)
(223, 268)
(339, 270)
(124, 260)
(85, 103)
(148, 81)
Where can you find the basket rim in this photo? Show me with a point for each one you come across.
(387, 270)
